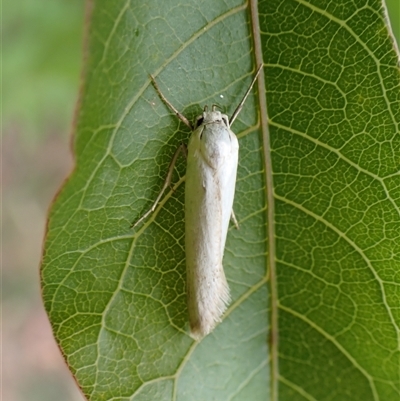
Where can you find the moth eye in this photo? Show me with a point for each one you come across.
(199, 122)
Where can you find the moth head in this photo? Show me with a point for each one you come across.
(211, 117)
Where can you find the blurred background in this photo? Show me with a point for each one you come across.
(42, 59)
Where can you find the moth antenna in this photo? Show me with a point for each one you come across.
(240, 105)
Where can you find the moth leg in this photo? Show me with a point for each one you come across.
(233, 218)
(170, 105)
(182, 148)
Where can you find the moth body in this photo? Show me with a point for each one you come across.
(210, 185)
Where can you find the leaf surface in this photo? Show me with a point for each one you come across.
(314, 268)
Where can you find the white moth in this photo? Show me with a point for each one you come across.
(212, 160)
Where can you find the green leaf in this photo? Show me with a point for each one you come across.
(314, 268)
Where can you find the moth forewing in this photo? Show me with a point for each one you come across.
(209, 192)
